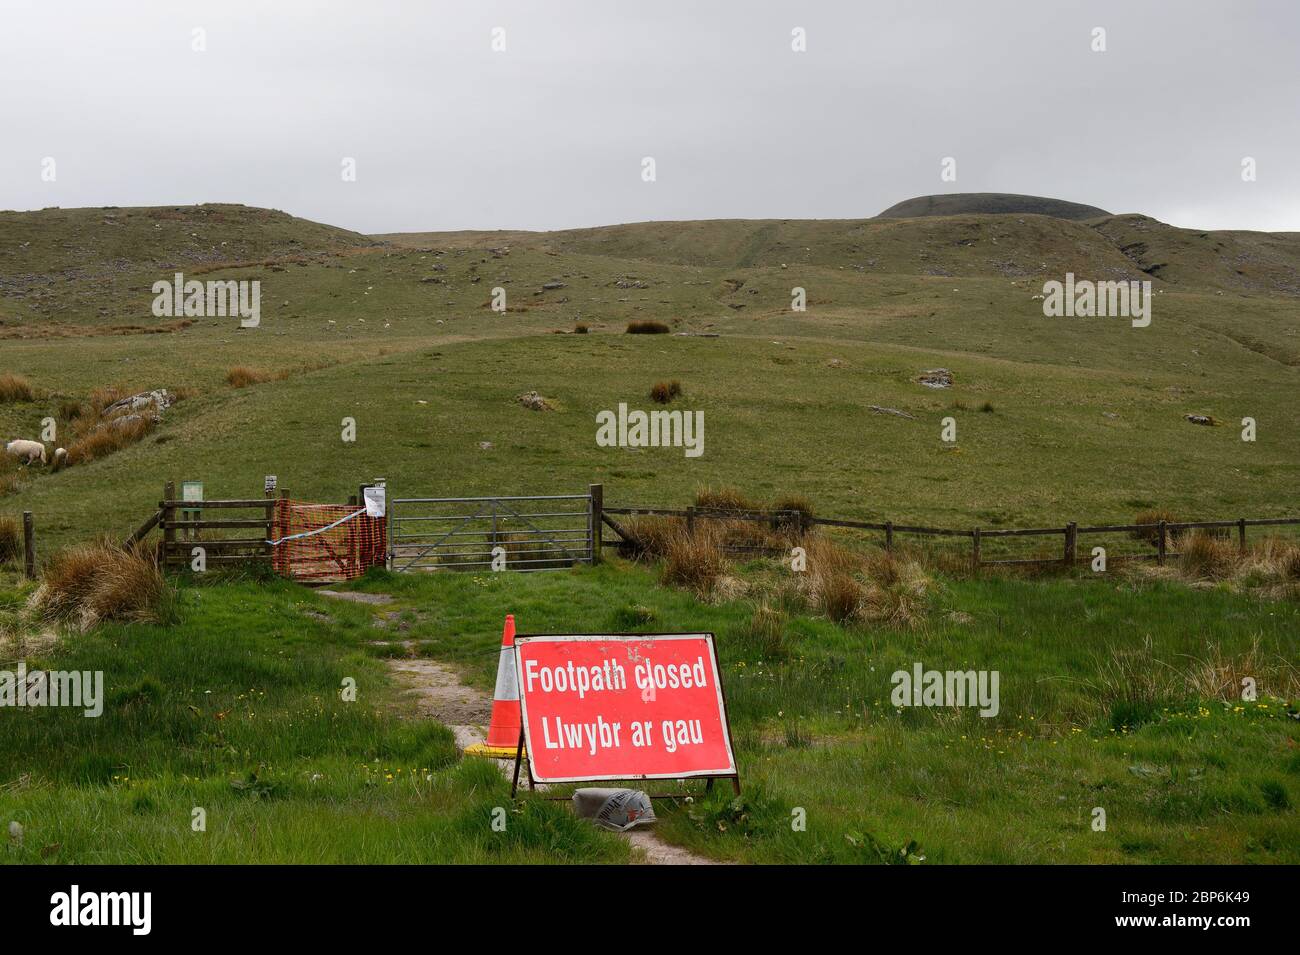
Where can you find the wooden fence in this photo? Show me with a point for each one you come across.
(189, 524)
(1161, 534)
(186, 524)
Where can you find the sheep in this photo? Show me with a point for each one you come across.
(31, 451)
(60, 458)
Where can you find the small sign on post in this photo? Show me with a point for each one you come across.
(191, 493)
(622, 706)
(270, 484)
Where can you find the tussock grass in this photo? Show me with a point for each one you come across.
(724, 498)
(695, 561)
(649, 535)
(10, 472)
(663, 392)
(11, 539)
(797, 503)
(1151, 519)
(765, 631)
(15, 387)
(1206, 556)
(99, 581)
(242, 376)
(107, 437)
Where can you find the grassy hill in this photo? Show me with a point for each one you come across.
(96, 266)
(397, 333)
(990, 203)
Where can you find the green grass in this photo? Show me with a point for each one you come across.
(237, 710)
(1085, 721)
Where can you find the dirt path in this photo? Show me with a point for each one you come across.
(434, 691)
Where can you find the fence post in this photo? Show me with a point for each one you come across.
(1071, 543)
(29, 545)
(1160, 544)
(889, 535)
(168, 520)
(975, 550)
(690, 519)
(270, 519)
(1241, 534)
(596, 493)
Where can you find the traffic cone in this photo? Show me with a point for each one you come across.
(503, 734)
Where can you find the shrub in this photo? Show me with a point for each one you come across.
(108, 437)
(580, 329)
(987, 407)
(674, 389)
(11, 539)
(16, 388)
(660, 393)
(102, 581)
(647, 328)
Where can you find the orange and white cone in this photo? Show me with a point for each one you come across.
(503, 733)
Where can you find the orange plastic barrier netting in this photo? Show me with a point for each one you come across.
(326, 542)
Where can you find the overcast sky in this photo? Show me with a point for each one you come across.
(551, 132)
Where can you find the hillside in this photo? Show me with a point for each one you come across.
(56, 264)
(1237, 261)
(398, 332)
(989, 203)
(962, 245)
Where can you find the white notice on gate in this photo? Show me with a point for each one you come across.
(374, 497)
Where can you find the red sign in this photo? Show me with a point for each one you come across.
(644, 706)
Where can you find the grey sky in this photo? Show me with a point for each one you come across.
(550, 133)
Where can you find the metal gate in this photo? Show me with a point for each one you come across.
(470, 533)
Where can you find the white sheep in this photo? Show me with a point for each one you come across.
(31, 451)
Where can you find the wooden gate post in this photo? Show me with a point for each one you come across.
(29, 545)
(596, 512)
(889, 535)
(1241, 534)
(168, 520)
(1071, 543)
(690, 519)
(975, 550)
(1160, 545)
